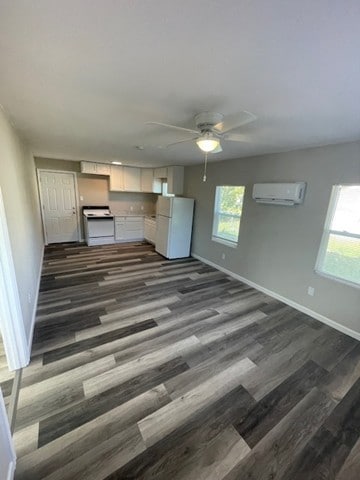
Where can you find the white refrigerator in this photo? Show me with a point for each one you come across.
(174, 217)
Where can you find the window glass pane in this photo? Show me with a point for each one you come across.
(347, 214)
(227, 212)
(228, 227)
(231, 199)
(342, 258)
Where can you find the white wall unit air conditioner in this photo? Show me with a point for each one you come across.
(279, 193)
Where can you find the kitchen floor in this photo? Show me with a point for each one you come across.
(144, 368)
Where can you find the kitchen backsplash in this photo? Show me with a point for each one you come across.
(95, 191)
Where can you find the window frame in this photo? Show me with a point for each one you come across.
(216, 213)
(327, 231)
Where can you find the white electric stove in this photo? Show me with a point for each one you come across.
(98, 225)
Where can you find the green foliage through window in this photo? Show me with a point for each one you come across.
(228, 210)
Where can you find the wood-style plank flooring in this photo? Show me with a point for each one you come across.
(144, 368)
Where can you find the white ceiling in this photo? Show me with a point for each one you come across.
(80, 78)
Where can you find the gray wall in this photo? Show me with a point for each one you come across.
(19, 190)
(278, 245)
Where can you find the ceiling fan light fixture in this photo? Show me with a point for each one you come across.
(208, 142)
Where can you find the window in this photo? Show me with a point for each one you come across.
(339, 253)
(227, 214)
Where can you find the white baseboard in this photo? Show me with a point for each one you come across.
(33, 318)
(291, 303)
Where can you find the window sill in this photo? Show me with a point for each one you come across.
(337, 279)
(228, 243)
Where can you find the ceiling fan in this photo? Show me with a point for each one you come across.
(210, 130)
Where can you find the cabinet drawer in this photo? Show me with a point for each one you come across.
(136, 232)
(135, 223)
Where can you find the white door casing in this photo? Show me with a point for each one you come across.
(7, 452)
(11, 319)
(58, 197)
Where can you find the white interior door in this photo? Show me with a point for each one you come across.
(7, 452)
(58, 199)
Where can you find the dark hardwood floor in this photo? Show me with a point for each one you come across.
(144, 368)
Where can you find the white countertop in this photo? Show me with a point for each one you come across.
(150, 216)
(126, 214)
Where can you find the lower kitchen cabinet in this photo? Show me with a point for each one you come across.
(128, 229)
(150, 230)
(120, 229)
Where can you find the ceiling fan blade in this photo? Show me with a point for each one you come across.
(218, 149)
(182, 141)
(174, 127)
(242, 119)
(235, 137)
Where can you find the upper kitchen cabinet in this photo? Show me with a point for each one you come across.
(160, 172)
(132, 179)
(149, 183)
(174, 177)
(116, 178)
(102, 169)
(125, 179)
(135, 179)
(95, 168)
(175, 180)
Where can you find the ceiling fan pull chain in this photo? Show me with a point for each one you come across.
(205, 167)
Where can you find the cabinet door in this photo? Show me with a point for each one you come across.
(160, 172)
(175, 180)
(102, 169)
(151, 231)
(146, 230)
(147, 177)
(88, 167)
(116, 178)
(134, 228)
(120, 229)
(132, 180)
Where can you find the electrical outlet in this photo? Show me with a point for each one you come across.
(131, 208)
(311, 291)
(223, 256)
(81, 198)
(142, 208)
(29, 297)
